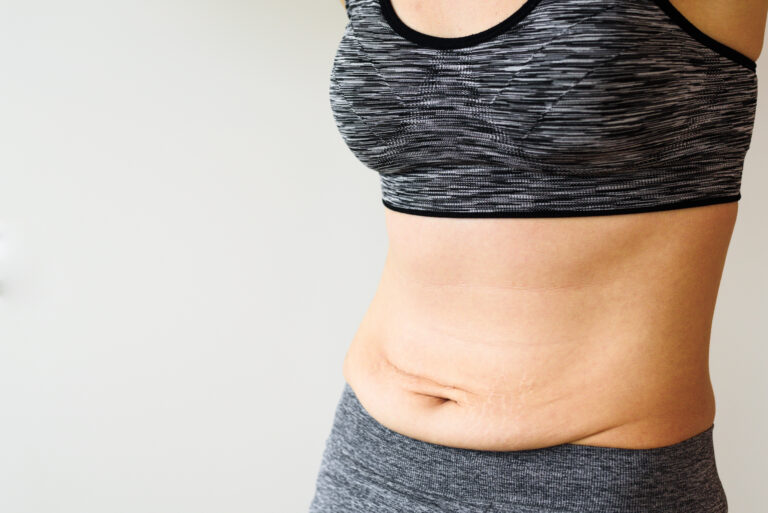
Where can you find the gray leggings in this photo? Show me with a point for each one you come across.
(368, 468)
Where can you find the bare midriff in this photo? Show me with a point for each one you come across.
(519, 333)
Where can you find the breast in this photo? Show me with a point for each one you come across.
(575, 111)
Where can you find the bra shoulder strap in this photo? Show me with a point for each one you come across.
(352, 6)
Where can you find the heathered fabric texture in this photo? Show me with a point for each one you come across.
(368, 468)
(574, 107)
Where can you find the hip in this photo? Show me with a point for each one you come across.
(369, 467)
(601, 387)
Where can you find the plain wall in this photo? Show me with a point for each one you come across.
(187, 248)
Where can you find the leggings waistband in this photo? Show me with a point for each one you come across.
(568, 477)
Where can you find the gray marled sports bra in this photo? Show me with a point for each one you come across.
(566, 108)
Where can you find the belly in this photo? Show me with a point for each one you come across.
(510, 334)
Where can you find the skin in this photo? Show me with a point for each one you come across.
(740, 25)
(518, 333)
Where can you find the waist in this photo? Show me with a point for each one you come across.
(611, 351)
(616, 383)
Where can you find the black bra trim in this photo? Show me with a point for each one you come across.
(485, 35)
(453, 42)
(568, 213)
(726, 51)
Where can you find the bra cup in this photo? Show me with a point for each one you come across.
(368, 115)
(364, 144)
(585, 107)
(620, 115)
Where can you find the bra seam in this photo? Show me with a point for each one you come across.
(383, 156)
(565, 93)
(373, 65)
(545, 46)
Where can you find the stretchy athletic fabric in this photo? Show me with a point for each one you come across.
(566, 108)
(368, 468)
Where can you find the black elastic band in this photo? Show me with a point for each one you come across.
(453, 42)
(567, 213)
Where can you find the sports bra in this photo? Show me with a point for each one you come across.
(565, 108)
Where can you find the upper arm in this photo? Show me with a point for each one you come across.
(739, 25)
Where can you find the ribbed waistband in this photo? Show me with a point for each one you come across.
(568, 477)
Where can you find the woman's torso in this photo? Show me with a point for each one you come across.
(513, 333)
